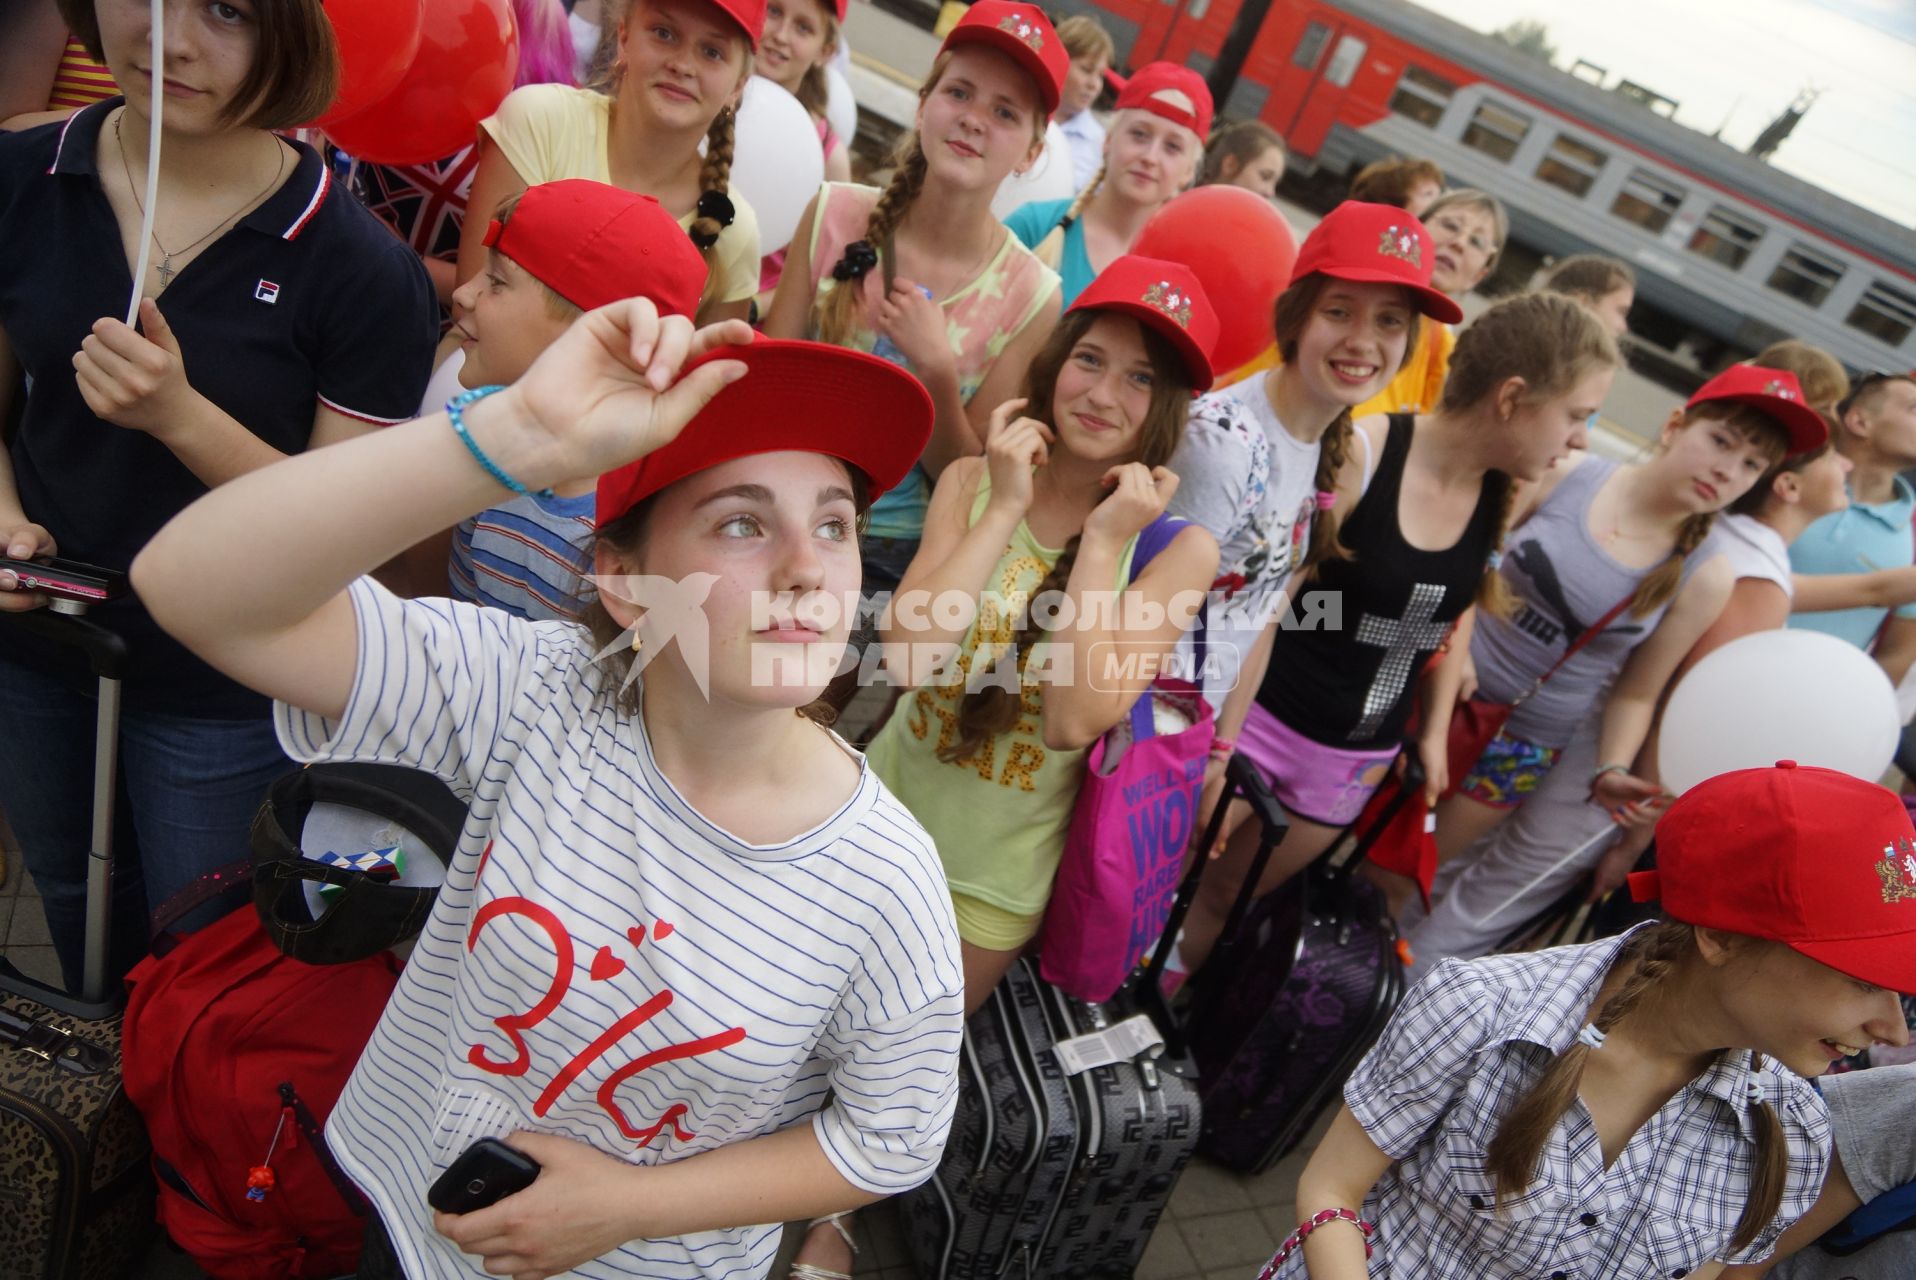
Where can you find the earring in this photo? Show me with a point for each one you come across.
(638, 641)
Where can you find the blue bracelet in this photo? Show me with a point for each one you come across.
(456, 410)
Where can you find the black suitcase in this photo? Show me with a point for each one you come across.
(1295, 994)
(1056, 1175)
(76, 1195)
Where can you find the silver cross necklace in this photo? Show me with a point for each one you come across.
(166, 268)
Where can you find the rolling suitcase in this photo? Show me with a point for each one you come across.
(1073, 1120)
(76, 1197)
(1299, 988)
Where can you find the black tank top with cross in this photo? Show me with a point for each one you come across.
(1344, 665)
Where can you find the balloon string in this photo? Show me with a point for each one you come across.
(156, 91)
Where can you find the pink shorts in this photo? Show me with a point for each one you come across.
(1325, 785)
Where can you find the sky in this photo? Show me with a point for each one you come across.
(1738, 63)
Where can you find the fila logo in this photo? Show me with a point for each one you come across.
(266, 291)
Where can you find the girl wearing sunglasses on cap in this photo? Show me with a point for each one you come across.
(681, 910)
(1634, 1108)
(1418, 537)
(1151, 153)
(1617, 571)
(672, 84)
(923, 272)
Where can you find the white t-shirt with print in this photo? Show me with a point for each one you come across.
(604, 964)
(1253, 485)
(1755, 550)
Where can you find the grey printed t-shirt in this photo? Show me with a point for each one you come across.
(1873, 1117)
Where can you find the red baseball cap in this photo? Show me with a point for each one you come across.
(1165, 296)
(750, 15)
(1023, 32)
(1176, 93)
(1774, 392)
(1816, 859)
(1376, 244)
(593, 244)
(806, 396)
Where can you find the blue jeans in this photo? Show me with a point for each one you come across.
(188, 790)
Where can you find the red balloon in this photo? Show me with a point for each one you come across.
(378, 40)
(468, 55)
(1240, 249)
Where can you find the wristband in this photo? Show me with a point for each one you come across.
(1316, 1220)
(1223, 748)
(456, 410)
(1608, 768)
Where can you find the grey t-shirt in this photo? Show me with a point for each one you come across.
(1873, 1119)
(1251, 483)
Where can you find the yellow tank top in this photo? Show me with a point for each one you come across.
(999, 817)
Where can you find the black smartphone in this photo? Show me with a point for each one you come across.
(67, 579)
(486, 1173)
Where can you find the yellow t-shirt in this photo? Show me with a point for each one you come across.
(554, 131)
(1415, 389)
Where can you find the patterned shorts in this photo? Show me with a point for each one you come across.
(1508, 771)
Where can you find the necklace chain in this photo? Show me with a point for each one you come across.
(166, 269)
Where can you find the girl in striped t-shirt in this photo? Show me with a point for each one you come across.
(679, 913)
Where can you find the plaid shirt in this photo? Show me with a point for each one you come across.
(1465, 1045)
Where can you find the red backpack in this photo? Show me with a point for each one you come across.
(235, 1055)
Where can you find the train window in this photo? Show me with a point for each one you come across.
(1725, 237)
(1572, 165)
(1422, 96)
(1804, 273)
(1311, 47)
(1885, 312)
(1647, 200)
(1344, 63)
(1496, 130)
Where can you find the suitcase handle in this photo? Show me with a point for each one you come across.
(1241, 779)
(105, 651)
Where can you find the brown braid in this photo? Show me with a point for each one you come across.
(1050, 250)
(994, 709)
(1662, 582)
(1512, 1155)
(1332, 452)
(1493, 589)
(1770, 1175)
(836, 310)
(715, 175)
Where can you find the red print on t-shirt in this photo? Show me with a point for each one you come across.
(605, 966)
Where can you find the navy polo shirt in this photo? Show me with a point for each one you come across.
(306, 301)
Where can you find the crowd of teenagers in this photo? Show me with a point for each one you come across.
(391, 462)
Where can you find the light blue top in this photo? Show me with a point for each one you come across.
(1031, 223)
(1860, 539)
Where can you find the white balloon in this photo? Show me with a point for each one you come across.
(841, 108)
(1779, 695)
(1048, 179)
(777, 163)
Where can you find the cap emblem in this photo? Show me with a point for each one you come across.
(1024, 30)
(1897, 870)
(1777, 389)
(1399, 243)
(1165, 297)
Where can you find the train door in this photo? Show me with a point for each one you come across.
(1304, 104)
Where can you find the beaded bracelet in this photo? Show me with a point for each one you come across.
(1316, 1220)
(1608, 768)
(1222, 748)
(456, 410)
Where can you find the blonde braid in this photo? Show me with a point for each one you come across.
(1050, 250)
(715, 179)
(1493, 589)
(1512, 1154)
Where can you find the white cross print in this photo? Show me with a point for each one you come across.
(1401, 639)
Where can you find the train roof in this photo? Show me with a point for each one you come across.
(1678, 145)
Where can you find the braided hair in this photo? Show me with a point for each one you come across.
(715, 211)
(1050, 250)
(1514, 1150)
(994, 707)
